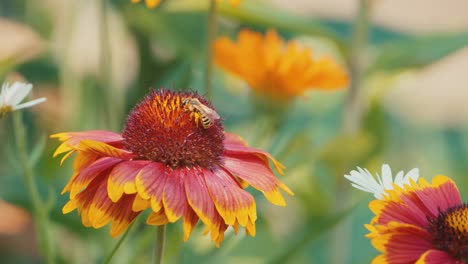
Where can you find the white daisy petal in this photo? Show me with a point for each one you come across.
(19, 91)
(412, 174)
(30, 103)
(399, 177)
(387, 177)
(363, 180)
(12, 95)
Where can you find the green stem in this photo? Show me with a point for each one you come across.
(39, 210)
(211, 28)
(113, 99)
(352, 122)
(159, 244)
(117, 245)
(353, 108)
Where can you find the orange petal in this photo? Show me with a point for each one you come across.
(190, 220)
(157, 218)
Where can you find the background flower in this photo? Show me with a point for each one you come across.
(11, 96)
(363, 180)
(418, 222)
(274, 69)
(155, 3)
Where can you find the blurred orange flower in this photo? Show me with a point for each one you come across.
(155, 3)
(275, 69)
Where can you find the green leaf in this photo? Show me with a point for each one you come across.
(318, 226)
(264, 14)
(417, 51)
(345, 151)
(175, 32)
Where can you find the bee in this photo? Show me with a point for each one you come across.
(207, 115)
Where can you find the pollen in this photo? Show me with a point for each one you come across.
(161, 129)
(5, 109)
(450, 231)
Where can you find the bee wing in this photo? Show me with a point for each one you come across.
(210, 112)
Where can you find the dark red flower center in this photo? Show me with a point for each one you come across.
(161, 128)
(450, 232)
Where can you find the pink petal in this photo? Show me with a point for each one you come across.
(199, 198)
(231, 201)
(402, 243)
(435, 256)
(99, 168)
(122, 178)
(174, 198)
(441, 196)
(150, 183)
(257, 173)
(234, 144)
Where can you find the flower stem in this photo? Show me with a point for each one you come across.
(117, 245)
(353, 108)
(352, 122)
(159, 244)
(211, 28)
(39, 209)
(113, 100)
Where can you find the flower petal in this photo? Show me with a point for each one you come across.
(440, 195)
(72, 139)
(257, 173)
(174, 198)
(150, 183)
(157, 218)
(122, 214)
(96, 209)
(103, 149)
(30, 103)
(199, 198)
(152, 3)
(231, 201)
(190, 220)
(389, 241)
(19, 91)
(434, 256)
(234, 144)
(99, 168)
(413, 204)
(387, 179)
(140, 204)
(122, 178)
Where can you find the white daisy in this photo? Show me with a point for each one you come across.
(363, 180)
(11, 96)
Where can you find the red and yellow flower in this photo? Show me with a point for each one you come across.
(167, 162)
(155, 3)
(276, 69)
(420, 222)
